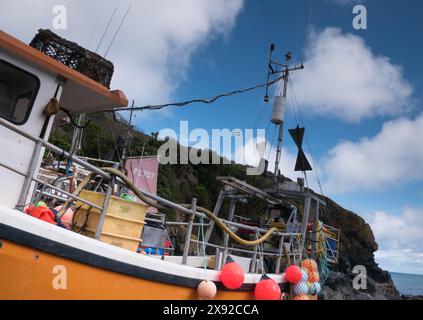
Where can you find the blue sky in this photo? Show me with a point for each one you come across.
(360, 93)
(239, 60)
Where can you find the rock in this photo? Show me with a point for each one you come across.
(357, 247)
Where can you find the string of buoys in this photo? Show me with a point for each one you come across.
(304, 280)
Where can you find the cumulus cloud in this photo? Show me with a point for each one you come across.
(249, 155)
(153, 49)
(344, 78)
(393, 156)
(399, 237)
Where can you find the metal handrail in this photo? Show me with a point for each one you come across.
(108, 178)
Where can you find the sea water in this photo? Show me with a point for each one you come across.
(408, 284)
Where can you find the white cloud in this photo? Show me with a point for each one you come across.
(344, 78)
(153, 49)
(248, 155)
(392, 157)
(399, 237)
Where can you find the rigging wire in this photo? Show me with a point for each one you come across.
(105, 31)
(203, 100)
(118, 29)
(306, 138)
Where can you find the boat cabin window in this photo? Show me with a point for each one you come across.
(18, 89)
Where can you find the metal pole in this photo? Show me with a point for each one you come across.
(285, 89)
(29, 176)
(279, 259)
(216, 213)
(105, 208)
(217, 259)
(226, 236)
(254, 260)
(315, 217)
(307, 205)
(189, 231)
(54, 149)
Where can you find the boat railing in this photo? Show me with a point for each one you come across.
(192, 213)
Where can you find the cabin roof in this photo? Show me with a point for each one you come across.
(81, 94)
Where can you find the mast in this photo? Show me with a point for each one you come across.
(279, 113)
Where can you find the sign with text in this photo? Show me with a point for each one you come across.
(143, 172)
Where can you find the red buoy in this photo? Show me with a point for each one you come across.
(232, 275)
(267, 289)
(293, 274)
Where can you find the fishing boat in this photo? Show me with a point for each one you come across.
(103, 254)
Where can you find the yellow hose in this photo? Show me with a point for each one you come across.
(151, 203)
(231, 234)
(131, 186)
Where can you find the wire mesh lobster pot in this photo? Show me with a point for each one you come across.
(74, 56)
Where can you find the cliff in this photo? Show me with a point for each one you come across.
(357, 247)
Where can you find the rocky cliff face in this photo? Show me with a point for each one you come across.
(357, 247)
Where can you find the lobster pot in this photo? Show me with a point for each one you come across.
(123, 225)
(278, 112)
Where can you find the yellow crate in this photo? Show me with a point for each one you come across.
(124, 221)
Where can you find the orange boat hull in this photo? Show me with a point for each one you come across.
(27, 273)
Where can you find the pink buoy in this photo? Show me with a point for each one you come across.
(206, 290)
(67, 218)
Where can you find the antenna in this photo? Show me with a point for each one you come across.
(270, 71)
(105, 31)
(279, 105)
(118, 29)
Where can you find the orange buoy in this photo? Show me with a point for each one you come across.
(293, 274)
(232, 275)
(267, 289)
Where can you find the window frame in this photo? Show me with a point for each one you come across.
(34, 95)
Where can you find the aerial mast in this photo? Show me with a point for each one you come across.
(279, 104)
(278, 114)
